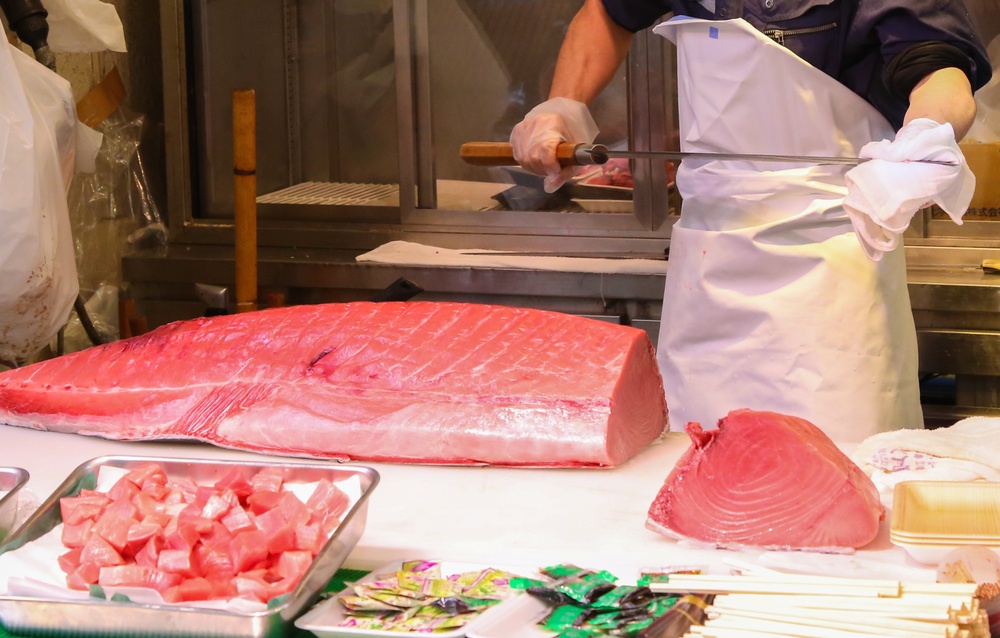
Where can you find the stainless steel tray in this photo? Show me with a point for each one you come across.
(72, 617)
(12, 479)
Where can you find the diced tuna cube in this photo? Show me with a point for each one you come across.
(148, 473)
(138, 536)
(269, 479)
(237, 520)
(85, 575)
(149, 555)
(76, 509)
(248, 549)
(176, 561)
(310, 538)
(100, 552)
(70, 561)
(123, 489)
(137, 576)
(260, 502)
(77, 535)
(326, 500)
(293, 564)
(213, 561)
(216, 507)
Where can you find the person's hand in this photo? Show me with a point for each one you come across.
(885, 192)
(535, 138)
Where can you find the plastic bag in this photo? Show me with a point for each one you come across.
(38, 137)
(112, 209)
(84, 26)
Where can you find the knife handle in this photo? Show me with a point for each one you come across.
(501, 154)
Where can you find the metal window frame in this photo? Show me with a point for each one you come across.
(417, 217)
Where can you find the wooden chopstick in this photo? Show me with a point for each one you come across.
(809, 606)
(785, 584)
(840, 620)
(937, 611)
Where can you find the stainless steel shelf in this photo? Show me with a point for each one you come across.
(956, 308)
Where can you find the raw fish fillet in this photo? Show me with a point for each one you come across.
(416, 382)
(767, 480)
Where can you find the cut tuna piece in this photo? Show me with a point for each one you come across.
(767, 480)
(417, 382)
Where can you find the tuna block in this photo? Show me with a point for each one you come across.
(408, 382)
(767, 480)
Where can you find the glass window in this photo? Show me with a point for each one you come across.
(323, 74)
(490, 62)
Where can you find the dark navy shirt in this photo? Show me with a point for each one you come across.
(877, 48)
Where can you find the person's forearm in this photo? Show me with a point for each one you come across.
(944, 96)
(591, 53)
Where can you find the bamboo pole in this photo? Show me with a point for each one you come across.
(245, 197)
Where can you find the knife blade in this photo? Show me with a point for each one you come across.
(572, 154)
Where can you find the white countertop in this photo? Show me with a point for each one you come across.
(495, 516)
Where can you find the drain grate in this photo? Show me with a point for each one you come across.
(332, 194)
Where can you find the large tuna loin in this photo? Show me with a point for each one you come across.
(418, 382)
(767, 480)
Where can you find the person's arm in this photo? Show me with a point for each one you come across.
(593, 49)
(944, 96)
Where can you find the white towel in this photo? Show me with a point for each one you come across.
(966, 451)
(885, 192)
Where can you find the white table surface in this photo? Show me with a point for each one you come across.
(492, 516)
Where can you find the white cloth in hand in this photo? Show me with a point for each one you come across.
(885, 192)
(535, 138)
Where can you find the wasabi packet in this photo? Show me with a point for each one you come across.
(586, 604)
(418, 597)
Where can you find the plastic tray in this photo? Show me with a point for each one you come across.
(37, 615)
(941, 511)
(933, 554)
(324, 618)
(516, 618)
(12, 479)
(931, 518)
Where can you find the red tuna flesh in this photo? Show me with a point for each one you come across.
(417, 382)
(767, 480)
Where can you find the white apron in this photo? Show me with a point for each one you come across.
(770, 303)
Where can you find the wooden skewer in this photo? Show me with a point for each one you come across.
(806, 584)
(751, 629)
(839, 619)
(750, 606)
(786, 584)
(926, 609)
(245, 197)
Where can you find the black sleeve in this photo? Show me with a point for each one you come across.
(914, 63)
(636, 15)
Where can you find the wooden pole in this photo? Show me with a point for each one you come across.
(245, 197)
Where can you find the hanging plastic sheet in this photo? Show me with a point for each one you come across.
(40, 145)
(111, 208)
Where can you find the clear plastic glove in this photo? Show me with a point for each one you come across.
(535, 138)
(885, 192)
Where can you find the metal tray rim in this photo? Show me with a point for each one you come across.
(9, 502)
(295, 603)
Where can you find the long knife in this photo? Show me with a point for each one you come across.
(662, 256)
(572, 154)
